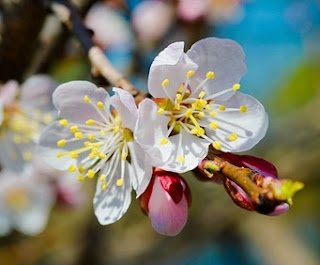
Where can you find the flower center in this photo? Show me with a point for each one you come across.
(17, 199)
(195, 112)
(100, 146)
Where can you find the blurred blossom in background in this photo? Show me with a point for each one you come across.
(51, 222)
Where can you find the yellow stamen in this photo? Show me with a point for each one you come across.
(91, 137)
(214, 125)
(164, 141)
(160, 111)
(91, 174)
(201, 114)
(190, 73)
(102, 178)
(116, 129)
(236, 87)
(119, 182)
(102, 132)
(72, 168)
(81, 178)
(233, 137)
(165, 82)
(216, 145)
(73, 154)
(74, 128)
(202, 94)
(63, 122)
(124, 156)
(188, 113)
(87, 144)
(81, 169)
(213, 113)
(100, 105)
(104, 186)
(243, 109)
(86, 99)
(210, 75)
(180, 159)
(61, 143)
(78, 135)
(90, 122)
(102, 155)
(222, 108)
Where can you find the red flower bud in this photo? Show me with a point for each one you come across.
(166, 202)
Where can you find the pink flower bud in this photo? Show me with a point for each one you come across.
(166, 202)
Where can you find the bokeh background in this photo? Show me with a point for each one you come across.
(281, 40)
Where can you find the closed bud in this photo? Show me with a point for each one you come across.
(166, 202)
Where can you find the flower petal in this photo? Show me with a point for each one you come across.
(141, 168)
(69, 101)
(8, 92)
(172, 64)
(150, 129)
(36, 93)
(223, 56)
(125, 105)
(167, 217)
(48, 149)
(193, 150)
(250, 127)
(111, 204)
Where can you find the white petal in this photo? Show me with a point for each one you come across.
(36, 92)
(223, 56)
(141, 168)
(69, 101)
(48, 149)
(172, 64)
(110, 205)
(250, 127)
(5, 226)
(125, 105)
(150, 129)
(193, 149)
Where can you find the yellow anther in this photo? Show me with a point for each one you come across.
(124, 155)
(104, 186)
(81, 169)
(222, 108)
(87, 144)
(91, 174)
(180, 159)
(160, 111)
(74, 128)
(100, 105)
(91, 137)
(72, 168)
(95, 151)
(58, 155)
(233, 137)
(243, 109)
(92, 155)
(63, 122)
(179, 98)
(86, 99)
(236, 87)
(216, 145)
(102, 155)
(201, 114)
(194, 130)
(202, 94)
(190, 73)
(61, 143)
(90, 122)
(207, 107)
(27, 156)
(73, 154)
(200, 131)
(213, 113)
(102, 132)
(177, 106)
(81, 178)
(210, 75)
(78, 135)
(165, 82)
(164, 141)
(96, 145)
(119, 182)
(214, 125)
(180, 90)
(102, 178)
(116, 129)
(188, 113)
